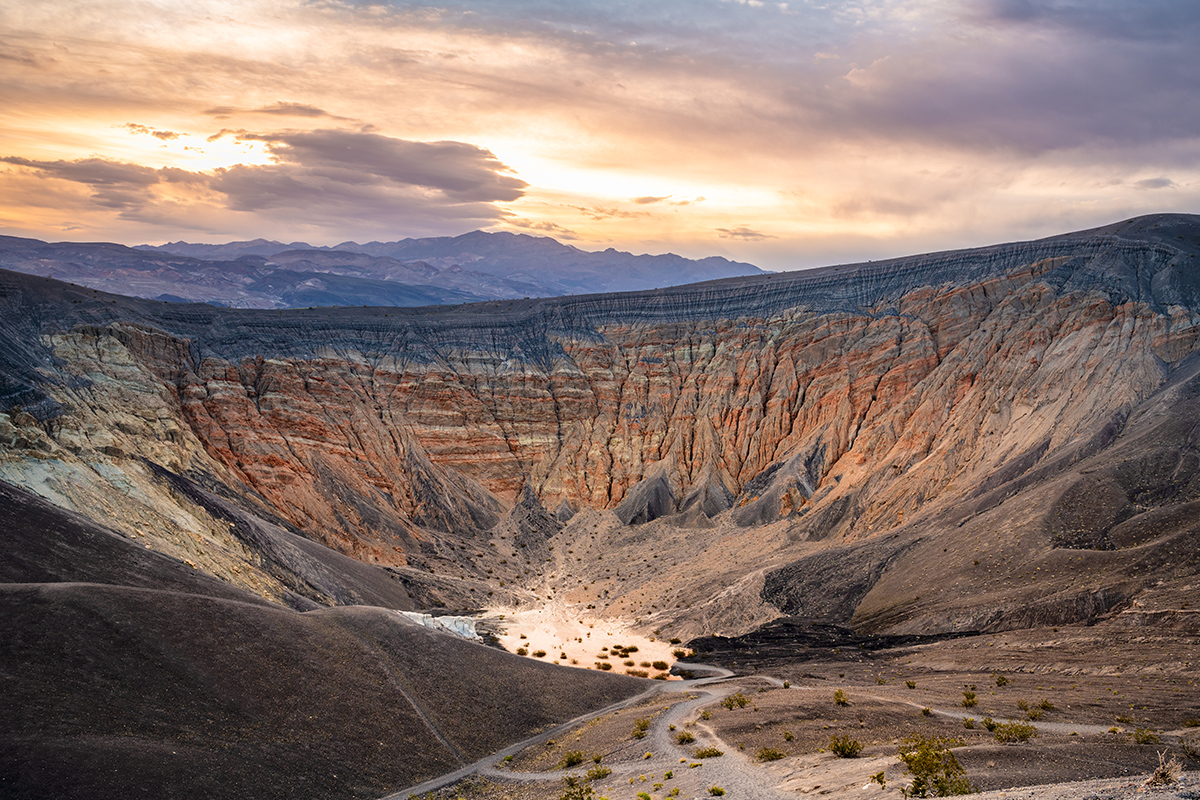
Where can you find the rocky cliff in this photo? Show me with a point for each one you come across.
(842, 403)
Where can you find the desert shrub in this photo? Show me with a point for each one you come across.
(1046, 705)
(911, 684)
(640, 726)
(788, 736)
(1013, 732)
(707, 752)
(680, 653)
(737, 699)
(706, 714)
(969, 700)
(571, 759)
(630, 663)
(662, 676)
(1166, 773)
(631, 649)
(597, 773)
(1191, 723)
(1145, 736)
(969, 723)
(604, 665)
(934, 769)
(840, 698)
(637, 673)
(769, 754)
(716, 791)
(576, 789)
(539, 653)
(878, 778)
(926, 712)
(521, 651)
(845, 747)
(787, 684)
(1001, 680)
(676, 640)
(990, 724)
(660, 665)
(685, 737)
(1190, 745)
(1034, 714)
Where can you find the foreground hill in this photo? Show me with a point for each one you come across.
(130, 674)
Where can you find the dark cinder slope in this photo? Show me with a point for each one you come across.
(126, 674)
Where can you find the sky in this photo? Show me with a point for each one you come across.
(786, 134)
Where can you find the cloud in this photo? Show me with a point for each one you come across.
(744, 234)
(462, 171)
(543, 226)
(643, 201)
(165, 136)
(1155, 183)
(278, 109)
(598, 212)
(335, 179)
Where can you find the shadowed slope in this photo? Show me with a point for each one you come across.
(179, 686)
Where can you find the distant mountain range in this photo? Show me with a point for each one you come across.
(413, 272)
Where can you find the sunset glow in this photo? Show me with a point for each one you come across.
(784, 134)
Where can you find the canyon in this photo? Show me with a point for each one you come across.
(945, 445)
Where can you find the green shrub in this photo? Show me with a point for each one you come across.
(840, 698)
(1145, 736)
(604, 665)
(769, 754)
(926, 712)
(716, 791)
(1046, 705)
(640, 727)
(521, 651)
(572, 759)
(1191, 723)
(1013, 732)
(934, 769)
(676, 640)
(787, 684)
(680, 653)
(576, 789)
(661, 666)
(706, 714)
(597, 773)
(990, 724)
(845, 747)
(539, 653)
(707, 752)
(685, 737)
(969, 723)
(788, 736)
(737, 699)
(911, 684)
(637, 673)
(969, 700)
(1001, 680)
(878, 778)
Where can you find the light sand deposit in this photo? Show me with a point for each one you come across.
(560, 628)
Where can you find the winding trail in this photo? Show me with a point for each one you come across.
(486, 765)
(735, 771)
